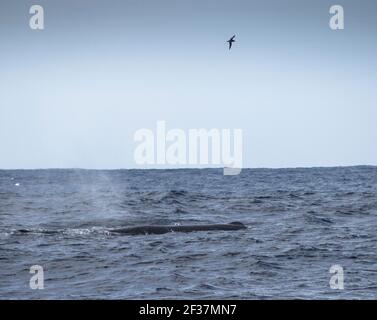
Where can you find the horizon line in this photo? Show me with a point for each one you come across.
(186, 168)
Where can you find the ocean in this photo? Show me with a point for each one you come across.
(300, 223)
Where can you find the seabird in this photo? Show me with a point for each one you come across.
(230, 41)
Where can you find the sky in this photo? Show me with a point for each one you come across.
(73, 95)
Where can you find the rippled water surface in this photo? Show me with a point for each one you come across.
(300, 223)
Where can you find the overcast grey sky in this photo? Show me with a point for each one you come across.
(73, 94)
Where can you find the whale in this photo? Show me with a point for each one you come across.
(161, 229)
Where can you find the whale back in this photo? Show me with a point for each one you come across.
(240, 224)
(161, 229)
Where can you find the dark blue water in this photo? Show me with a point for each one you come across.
(300, 223)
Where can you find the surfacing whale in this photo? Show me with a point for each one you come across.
(161, 229)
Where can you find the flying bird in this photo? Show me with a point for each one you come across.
(230, 41)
